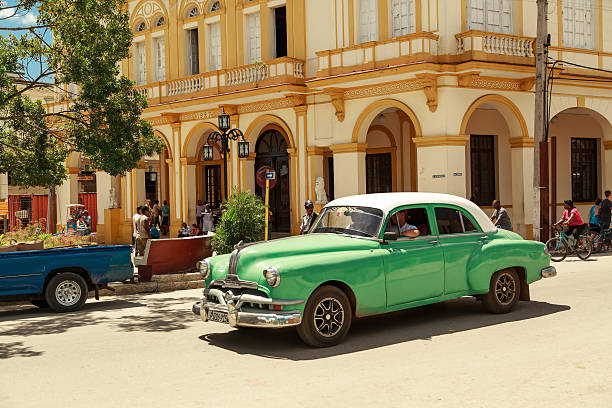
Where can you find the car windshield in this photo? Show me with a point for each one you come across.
(360, 221)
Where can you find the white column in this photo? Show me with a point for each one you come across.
(441, 164)
(349, 169)
(190, 175)
(67, 193)
(522, 186)
(3, 187)
(138, 186)
(103, 186)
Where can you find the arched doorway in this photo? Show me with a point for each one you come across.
(390, 153)
(578, 167)
(271, 150)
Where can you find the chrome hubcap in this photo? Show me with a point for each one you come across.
(505, 289)
(68, 293)
(328, 317)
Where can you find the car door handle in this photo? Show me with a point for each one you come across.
(434, 242)
(483, 238)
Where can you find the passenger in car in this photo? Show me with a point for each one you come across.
(406, 230)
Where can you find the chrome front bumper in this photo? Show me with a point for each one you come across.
(549, 272)
(238, 314)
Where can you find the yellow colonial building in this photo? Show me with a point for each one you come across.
(359, 96)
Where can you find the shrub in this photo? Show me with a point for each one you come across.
(243, 220)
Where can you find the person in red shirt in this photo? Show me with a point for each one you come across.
(572, 218)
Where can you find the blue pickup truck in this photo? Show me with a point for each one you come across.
(61, 278)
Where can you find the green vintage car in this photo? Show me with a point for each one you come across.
(371, 254)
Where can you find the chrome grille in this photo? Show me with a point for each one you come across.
(233, 263)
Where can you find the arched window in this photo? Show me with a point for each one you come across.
(141, 27)
(214, 7)
(192, 12)
(160, 22)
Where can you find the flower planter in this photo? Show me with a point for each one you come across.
(30, 246)
(8, 248)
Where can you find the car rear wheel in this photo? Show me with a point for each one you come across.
(504, 292)
(327, 318)
(66, 292)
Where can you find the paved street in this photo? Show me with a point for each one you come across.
(151, 351)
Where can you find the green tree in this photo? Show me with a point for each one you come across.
(243, 220)
(73, 46)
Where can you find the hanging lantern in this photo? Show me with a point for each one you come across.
(243, 149)
(207, 152)
(224, 121)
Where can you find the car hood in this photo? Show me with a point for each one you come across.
(287, 253)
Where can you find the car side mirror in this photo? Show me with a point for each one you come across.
(389, 236)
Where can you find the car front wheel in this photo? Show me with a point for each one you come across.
(66, 292)
(327, 318)
(504, 292)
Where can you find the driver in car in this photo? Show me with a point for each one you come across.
(405, 229)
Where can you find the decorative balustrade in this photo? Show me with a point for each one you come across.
(404, 49)
(493, 46)
(186, 85)
(282, 70)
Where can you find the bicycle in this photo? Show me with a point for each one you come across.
(561, 245)
(602, 241)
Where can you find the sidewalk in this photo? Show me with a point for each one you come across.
(159, 283)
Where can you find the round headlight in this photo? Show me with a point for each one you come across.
(272, 276)
(546, 251)
(204, 268)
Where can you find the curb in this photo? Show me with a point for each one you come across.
(159, 283)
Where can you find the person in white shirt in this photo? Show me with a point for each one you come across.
(207, 220)
(405, 229)
(135, 219)
(199, 211)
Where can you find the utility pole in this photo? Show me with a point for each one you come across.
(540, 125)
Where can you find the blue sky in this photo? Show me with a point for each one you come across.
(23, 18)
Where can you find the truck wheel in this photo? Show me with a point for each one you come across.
(504, 292)
(66, 292)
(327, 318)
(41, 303)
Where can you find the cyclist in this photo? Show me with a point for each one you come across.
(594, 219)
(575, 225)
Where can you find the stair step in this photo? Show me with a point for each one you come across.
(177, 277)
(121, 289)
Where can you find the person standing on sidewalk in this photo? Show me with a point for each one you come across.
(165, 212)
(156, 213)
(500, 217)
(309, 218)
(605, 211)
(135, 218)
(199, 211)
(143, 233)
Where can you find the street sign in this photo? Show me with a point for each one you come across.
(260, 176)
(270, 175)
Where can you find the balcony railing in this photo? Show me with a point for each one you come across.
(378, 54)
(481, 45)
(282, 70)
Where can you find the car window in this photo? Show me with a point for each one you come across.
(468, 226)
(449, 221)
(415, 218)
(453, 221)
(360, 221)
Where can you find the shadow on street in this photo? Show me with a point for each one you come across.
(17, 349)
(421, 323)
(159, 317)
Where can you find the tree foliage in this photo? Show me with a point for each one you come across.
(73, 48)
(243, 220)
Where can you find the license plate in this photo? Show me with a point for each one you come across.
(215, 316)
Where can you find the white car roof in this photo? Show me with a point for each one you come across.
(389, 201)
